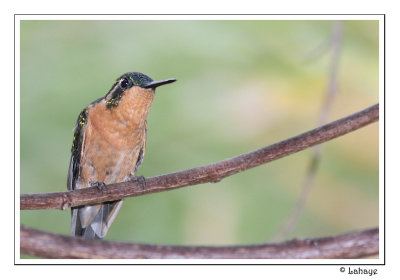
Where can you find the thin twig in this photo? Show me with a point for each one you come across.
(209, 173)
(289, 224)
(356, 244)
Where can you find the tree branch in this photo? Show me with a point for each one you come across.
(289, 224)
(356, 244)
(209, 173)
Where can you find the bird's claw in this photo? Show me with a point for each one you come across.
(100, 186)
(140, 179)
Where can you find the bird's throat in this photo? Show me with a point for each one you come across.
(122, 125)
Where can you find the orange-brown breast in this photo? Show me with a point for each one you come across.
(114, 137)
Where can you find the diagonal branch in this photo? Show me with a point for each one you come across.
(356, 244)
(208, 173)
(289, 224)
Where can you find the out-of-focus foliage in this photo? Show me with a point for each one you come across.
(241, 85)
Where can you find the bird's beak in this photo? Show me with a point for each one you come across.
(155, 84)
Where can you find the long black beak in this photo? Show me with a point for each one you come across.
(155, 84)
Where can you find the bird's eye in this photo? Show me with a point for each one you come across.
(124, 83)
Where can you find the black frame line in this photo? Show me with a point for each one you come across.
(227, 264)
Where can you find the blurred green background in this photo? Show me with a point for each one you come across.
(241, 85)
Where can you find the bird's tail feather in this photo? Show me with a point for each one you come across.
(100, 223)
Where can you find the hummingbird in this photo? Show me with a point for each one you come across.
(108, 146)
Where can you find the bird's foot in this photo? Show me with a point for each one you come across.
(100, 186)
(140, 179)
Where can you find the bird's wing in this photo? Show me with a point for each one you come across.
(77, 149)
(74, 168)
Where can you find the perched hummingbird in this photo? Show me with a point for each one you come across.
(108, 147)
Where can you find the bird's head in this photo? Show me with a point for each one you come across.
(129, 82)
